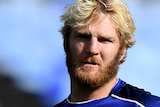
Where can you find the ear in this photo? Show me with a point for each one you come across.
(122, 54)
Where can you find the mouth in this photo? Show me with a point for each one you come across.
(90, 63)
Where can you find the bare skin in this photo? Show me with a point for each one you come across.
(80, 94)
(99, 44)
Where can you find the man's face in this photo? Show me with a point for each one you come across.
(94, 53)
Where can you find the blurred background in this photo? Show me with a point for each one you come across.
(32, 60)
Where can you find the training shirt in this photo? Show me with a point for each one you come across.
(122, 95)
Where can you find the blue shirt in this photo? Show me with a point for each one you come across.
(122, 95)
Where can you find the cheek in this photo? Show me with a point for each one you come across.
(108, 54)
(76, 49)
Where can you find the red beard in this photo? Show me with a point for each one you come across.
(81, 75)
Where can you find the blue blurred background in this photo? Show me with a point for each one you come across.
(31, 51)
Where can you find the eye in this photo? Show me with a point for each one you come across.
(83, 36)
(105, 40)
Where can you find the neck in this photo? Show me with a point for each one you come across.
(79, 93)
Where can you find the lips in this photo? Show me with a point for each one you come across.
(92, 63)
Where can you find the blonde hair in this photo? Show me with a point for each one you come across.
(83, 12)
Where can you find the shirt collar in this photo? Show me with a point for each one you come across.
(117, 86)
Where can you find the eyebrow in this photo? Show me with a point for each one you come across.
(89, 34)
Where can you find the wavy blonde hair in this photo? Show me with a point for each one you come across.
(83, 12)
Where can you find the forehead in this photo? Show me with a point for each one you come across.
(102, 26)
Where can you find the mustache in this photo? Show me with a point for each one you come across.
(91, 60)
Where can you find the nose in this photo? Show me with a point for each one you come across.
(92, 47)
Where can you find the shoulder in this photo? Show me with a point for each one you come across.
(140, 95)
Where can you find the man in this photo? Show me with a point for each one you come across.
(97, 34)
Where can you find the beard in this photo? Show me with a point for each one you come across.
(83, 76)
